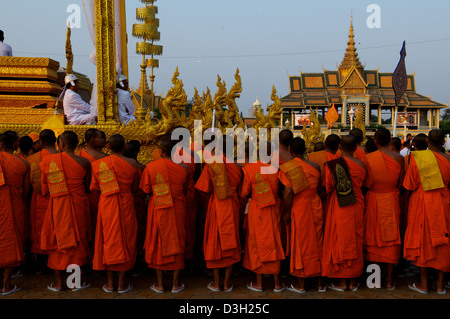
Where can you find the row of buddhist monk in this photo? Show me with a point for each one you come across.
(325, 212)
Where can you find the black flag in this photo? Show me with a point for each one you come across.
(400, 78)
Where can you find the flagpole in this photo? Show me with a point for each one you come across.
(399, 84)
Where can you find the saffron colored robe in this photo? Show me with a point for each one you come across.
(65, 229)
(39, 202)
(426, 239)
(15, 171)
(343, 238)
(165, 240)
(11, 236)
(307, 219)
(382, 218)
(221, 244)
(263, 248)
(94, 197)
(116, 231)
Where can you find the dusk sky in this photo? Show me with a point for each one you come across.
(266, 40)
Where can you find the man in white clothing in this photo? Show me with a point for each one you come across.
(76, 110)
(125, 105)
(5, 49)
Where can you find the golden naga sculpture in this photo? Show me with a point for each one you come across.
(232, 114)
(313, 134)
(270, 120)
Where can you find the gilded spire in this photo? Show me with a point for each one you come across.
(351, 57)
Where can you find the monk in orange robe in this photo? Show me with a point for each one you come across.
(20, 193)
(331, 152)
(165, 239)
(132, 150)
(426, 241)
(263, 250)
(359, 135)
(343, 241)
(14, 189)
(64, 234)
(116, 177)
(39, 202)
(93, 151)
(385, 170)
(221, 245)
(301, 179)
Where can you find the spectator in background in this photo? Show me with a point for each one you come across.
(5, 49)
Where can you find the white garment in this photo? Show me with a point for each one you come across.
(405, 152)
(447, 146)
(126, 106)
(76, 110)
(5, 49)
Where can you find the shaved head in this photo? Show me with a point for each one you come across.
(47, 137)
(116, 143)
(436, 137)
(332, 142)
(382, 136)
(348, 143)
(70, 139)
(420, 142)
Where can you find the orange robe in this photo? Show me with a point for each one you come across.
(263, 248)
(11, 236)
(359, 154)
(426, 239)
(141, 207)
(15, 171)
(94, 197)
(165, 240)
(116, 231)
(307, 220)
(382, 217)
(321, 157)
(39, 202)
(343, 240)
(221, 244)
(65, 228)
(191, 201)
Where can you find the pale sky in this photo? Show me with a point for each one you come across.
(266, 40)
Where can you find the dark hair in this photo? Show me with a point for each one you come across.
(332, 142)
(7, 141)
(396, 143)
(383, 136)
(116, 143)
(358, 134)
(47, 137)
(348, 143)
(370, 146)
(90, 134)
(286, 137)
(298, 146)
(167, 144)
(2, 35)
(420, 142)
(436, 137)
(25, 144)
(70, 138)
(132, 149)
(319, 146)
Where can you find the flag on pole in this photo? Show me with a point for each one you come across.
(400, 78)
(332, 116)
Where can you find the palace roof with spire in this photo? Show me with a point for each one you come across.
(351, 79)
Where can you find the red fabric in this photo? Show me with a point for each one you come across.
(342, 255)
(116, 231)
(216, 255)
(426, 238)
(263, 248)
(11, 218)
(159, 238)
(382, 217)
(75, 207)
(307, 220)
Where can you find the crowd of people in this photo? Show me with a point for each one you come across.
(319, 215)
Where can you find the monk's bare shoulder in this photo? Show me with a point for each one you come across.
(25, 162)
(313, 164)
(395, 156)
(447, 156)
(357, 161)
